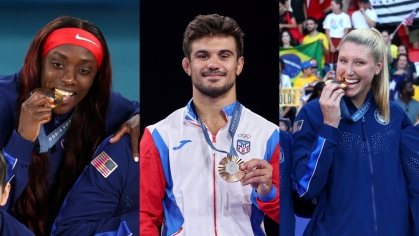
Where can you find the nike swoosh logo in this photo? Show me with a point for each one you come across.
(85, 39)
(183, 142)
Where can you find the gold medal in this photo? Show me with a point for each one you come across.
(56, 96)
(229, 168)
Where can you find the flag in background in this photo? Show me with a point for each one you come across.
(293, 57)
(409, 20)
(392, 12)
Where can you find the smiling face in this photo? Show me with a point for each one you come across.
(311, 25)
(71, 71)
(286, 38)
(385, 37)
(402, 62)
(357, 67)
(401, 50)
(213, 65)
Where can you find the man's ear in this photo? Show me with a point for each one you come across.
(240, 64)
(5, 195)
(186, 66)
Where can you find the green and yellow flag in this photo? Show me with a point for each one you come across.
(293, 57)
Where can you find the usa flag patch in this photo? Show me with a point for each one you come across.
(243, 146)
(297, 126)
(104, 164)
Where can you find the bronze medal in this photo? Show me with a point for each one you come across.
(229, 168)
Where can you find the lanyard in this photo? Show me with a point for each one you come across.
(46, 142)
(232, 129)
(359, 113)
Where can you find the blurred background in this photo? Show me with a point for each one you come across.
(119, 21)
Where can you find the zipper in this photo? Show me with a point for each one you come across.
(56, 121)
(214, 186)
(372, 174)
(214, 167)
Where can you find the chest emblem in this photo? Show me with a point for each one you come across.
(243, 146)
(379, 118)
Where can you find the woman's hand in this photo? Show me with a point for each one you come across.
(330, 104)
(132, 127)
(34, 112)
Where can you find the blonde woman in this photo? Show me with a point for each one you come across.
(347, 155)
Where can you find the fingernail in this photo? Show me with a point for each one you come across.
(136, 159)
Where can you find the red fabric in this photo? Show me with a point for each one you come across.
(325, 5)
(314, 9)
(414, 55)
(74, 36)
(333, 56)
(294, 31)
(152, 186)
(271, 208)
(353, 5)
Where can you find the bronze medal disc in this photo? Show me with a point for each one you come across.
(229, 168)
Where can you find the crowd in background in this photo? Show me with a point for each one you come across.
(328, 21)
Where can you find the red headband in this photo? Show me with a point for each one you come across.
(75, 36)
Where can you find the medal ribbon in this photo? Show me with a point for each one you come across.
(232, 129)
(46, 142)
(359, 113)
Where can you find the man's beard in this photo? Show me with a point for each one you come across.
(213, 92)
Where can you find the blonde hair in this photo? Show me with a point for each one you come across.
(373, 39)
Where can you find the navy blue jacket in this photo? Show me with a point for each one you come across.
(410, 150)
(354, 171)
(287, 218)
(9, 226)
(99, 205)
(17, 150)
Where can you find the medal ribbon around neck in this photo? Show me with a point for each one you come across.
(232, 129)
(359, 113)
(46, 142)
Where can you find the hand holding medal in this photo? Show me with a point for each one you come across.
(35, 111)
(258, 175)
(55, 98)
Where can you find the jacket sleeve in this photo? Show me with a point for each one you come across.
(269, 204)
(99, 205)
(120, 110)
(410, 162)
(152, 187)
(16, 150)
(17, 154)
(314, 144)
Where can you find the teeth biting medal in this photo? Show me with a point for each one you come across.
(52, 93)
(342, 85)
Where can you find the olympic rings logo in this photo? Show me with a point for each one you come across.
(244, 136)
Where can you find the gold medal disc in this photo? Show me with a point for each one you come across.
(229, 168)
(52, 93)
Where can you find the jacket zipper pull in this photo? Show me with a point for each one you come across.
(364, 135)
